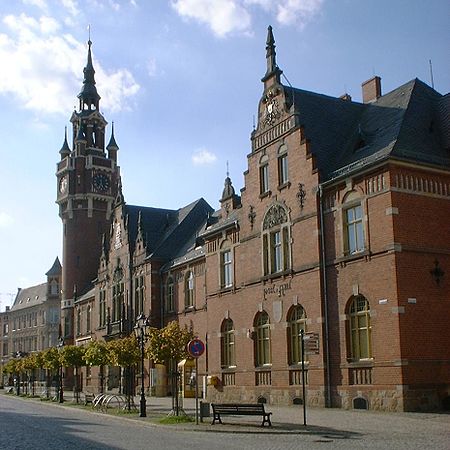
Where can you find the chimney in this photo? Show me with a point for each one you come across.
(371, 90)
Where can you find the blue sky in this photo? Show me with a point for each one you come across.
(181, 81)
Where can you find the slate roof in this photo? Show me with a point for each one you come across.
(167, 233)
(55, 270)
(346, 136)
(31, 296)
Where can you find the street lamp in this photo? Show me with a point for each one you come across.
(140, 330)
(60, 345)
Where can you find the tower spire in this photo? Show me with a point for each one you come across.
(272, 68)
(65, 150)
(88, 96)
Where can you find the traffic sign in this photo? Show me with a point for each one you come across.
(196, 348)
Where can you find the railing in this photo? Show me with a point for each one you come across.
(263, 378)
(360, 375)
(295, 377)
(228, 378)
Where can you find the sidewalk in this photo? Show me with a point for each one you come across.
(326, 424)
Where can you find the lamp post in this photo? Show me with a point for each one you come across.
(60, 345)
(140, 330)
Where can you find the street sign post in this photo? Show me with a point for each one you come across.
(196, 348)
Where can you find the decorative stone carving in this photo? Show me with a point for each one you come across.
(301, 195)
(276, 215)
(251, 216)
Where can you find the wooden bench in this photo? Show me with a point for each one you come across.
(240, 409)
(88, 398)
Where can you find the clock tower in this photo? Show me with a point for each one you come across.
(87, 177)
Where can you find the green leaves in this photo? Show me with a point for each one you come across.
(96, 354)
(123, 352)
(168, 343)
(72, 356)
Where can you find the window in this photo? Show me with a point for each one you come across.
(262, 340)
(88, 319)
(227, 344)
(67, 326)
(54, 288)
(189, 290)
(102, 308)
(226, 269)
(353, 224)
(276, 241)
(139, 295)
(169, 304)
(360, 328)
(283, 175)
(264, 175)
(296, 322)
(79, 322)
(117, 301)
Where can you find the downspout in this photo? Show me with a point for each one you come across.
(323, 267)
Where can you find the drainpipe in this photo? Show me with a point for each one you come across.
(323, 267)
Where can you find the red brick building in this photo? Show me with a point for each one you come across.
(339, 232)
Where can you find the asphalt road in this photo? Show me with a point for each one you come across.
(28, 424)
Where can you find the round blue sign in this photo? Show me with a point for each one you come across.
(196, 348)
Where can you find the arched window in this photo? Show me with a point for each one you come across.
(353, 224)
(139, 295)
(359, 328)
(88, 319)
(117, 301)
(79, 322)
(189, 290)
(169, 300)
(262, 340)
(276, 241)
(227, 344)
(283, 173)
(264, 175)
(296, 322)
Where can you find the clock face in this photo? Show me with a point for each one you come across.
(63, 185)
(101, 182)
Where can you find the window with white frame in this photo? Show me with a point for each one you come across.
(353, 224)
(296, 323)
(276, 241)
(102, 308)
(226, 268)
(264, 174)
(189, 289)
(263, 355)
(169, 299)
(227, 344)
(88, 319)
(359, 328)
(283, 173)
(139, 295)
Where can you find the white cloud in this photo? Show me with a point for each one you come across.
(230, 16)
(45, 66)
(71, 6)
(5, 220)
(151, 67)
(41, 4)
(203, 157)
(222, 16)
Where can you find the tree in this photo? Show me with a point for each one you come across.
(97, 354)
(169, 345)
(73, 356)
(125, 354)
(51, 362)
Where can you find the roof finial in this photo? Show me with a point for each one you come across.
(228, 170)
(65, 150)
(272, 68)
